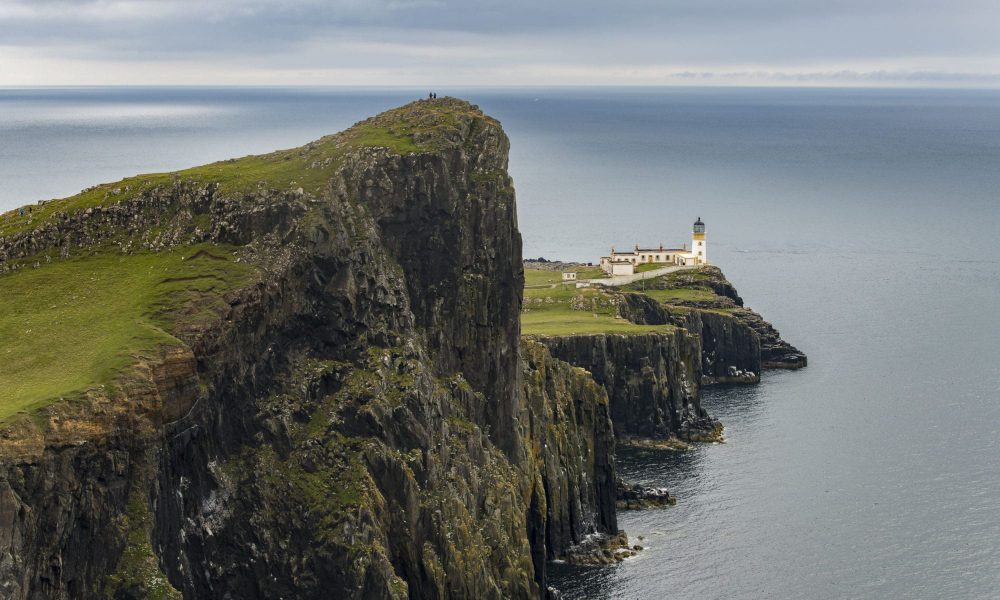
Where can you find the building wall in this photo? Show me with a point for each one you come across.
(622, 269)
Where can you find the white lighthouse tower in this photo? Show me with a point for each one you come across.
(699, 247)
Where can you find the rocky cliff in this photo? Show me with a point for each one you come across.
(730, 351)
(737, 343)
(351, 417)
(652, 381)
(694, 331)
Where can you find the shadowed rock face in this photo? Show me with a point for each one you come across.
(652, 380)
(730, 351)
(360, 423)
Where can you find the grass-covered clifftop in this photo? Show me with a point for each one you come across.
(92, 282)
(654, 342)
(313, 381)
(552, 307)
(75, 324)
(417, 127)
(555, 307)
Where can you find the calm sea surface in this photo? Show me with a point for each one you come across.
(863, 224)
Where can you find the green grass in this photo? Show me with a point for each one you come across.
(574, 322)
(309, 167)
(534, 278)
(74, 324)
(550, 310)
(138, 569)
(680, 294)
(646, 267)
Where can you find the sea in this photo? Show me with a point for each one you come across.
(863, 223)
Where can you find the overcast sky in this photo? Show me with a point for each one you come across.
(500, 42)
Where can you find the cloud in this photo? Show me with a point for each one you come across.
(493, 41)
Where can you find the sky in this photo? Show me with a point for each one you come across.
(954, 43)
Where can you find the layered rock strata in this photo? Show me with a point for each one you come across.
(360, 422)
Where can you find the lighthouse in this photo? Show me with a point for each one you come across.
(698, 245)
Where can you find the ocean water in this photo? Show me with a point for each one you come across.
(862, 223)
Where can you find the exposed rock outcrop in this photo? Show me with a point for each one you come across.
(737, 343)
(775, 353)
(652, 380)
(361, 422)
(730, 350)
(632, 496)
(569, 429)
(601, 549)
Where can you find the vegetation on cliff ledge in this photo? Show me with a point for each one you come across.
(71, 324)
(563, 309)
(424, 126)
(74, 324)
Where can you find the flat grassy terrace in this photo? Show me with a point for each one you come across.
(555, 309)
(534, 278)
(646, 267)
(74, 324)
(679, 294)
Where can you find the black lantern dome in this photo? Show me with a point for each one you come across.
(699, 227)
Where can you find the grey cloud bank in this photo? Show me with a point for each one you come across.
(484, 42)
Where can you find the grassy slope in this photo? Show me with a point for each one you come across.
(643, 268)
(548, 310)
(308, 167)
(542, 278)
(554, 315)
(71, 325)
(74, 324)
(675, 294)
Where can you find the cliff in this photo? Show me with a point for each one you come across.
(737, 342)
(652, 380)
(653, 344)
(303, 377)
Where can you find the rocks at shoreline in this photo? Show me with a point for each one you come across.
(633, 496)
(601, 549)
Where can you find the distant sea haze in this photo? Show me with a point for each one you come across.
(862, 223)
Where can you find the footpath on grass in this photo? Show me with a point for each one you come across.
(617, 280)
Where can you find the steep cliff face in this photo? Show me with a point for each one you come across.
(775, 352)
(730, 350)
(736, 341)
(571, 439)
(356, 422)
(652, 380)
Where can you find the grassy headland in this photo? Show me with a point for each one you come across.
(554, 308)
(404, 130)
(72, 324)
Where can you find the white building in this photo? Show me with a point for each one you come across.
(624, 263)
(618, 266)
(569, 276)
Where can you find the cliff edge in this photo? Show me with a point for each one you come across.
(653, 344)
(291, 375)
